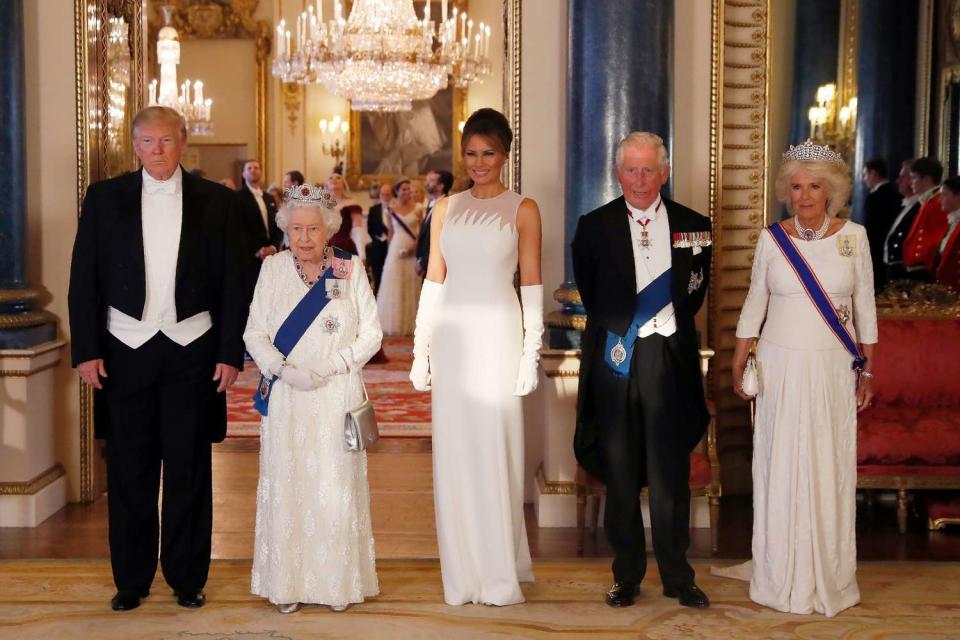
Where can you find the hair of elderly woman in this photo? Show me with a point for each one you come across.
(329, 217)
(641, 138)
(834, 176)
(159, 115)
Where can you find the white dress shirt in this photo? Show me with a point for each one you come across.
(258, 196)
(651, 261)
(162, 217)
(953, 220)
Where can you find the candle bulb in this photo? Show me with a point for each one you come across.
(426, 12)
(443, 11)
(287, 51)
(320, 11)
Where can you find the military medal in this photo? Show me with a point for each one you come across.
(619, 353)
(645, 242)
(844, 313)
(846, 245)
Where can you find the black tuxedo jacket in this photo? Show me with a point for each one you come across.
(257, 236)
(375, 226)
(603, 267)
(880, 209)
(108, 267)
(423, 240)
(898, 236)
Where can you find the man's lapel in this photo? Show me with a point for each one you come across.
(190, 226)
(616, 227)
(680, 257)
(130, 222)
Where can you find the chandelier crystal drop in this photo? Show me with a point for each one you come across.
(383, 57)
(195, 109)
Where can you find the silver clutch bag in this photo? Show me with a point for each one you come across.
(360, 425)
(750, 384)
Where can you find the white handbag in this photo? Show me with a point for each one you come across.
(750, 383)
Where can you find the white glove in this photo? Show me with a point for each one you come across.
(531, 296)
(420, 370)
(302, 379)
(332, 366)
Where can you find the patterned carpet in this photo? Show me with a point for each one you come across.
(401, 410)
(54, 599)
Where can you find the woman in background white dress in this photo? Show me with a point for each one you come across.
(805, 437)
(400, 284)
(481, 354)
(314, 540)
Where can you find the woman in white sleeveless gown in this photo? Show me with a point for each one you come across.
(805, 438)
(400, 284)
(481, 352)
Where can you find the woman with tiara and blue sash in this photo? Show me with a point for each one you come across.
(810, 309)
(313, 325)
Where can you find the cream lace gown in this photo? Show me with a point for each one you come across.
(805, 439)
(477, 421)
(400, 285)
(313, 540)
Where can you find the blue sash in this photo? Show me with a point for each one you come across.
(650, 300)
(817, 295)
(293, 329)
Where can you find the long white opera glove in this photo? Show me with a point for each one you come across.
(426, 310)
(334, 365)
(300, 378)
(531, 296)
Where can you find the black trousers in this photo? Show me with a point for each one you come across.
(642, 446)
(376, 257)
(156, 397)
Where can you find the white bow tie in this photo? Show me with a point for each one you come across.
(155, 187)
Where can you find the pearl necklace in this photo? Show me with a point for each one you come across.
(811, 234)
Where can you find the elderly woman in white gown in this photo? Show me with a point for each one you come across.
(313, 541)
(805, 438)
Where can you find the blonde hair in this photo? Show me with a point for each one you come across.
(159, 115)
(834, 175)
(639, 139)
(329, 217)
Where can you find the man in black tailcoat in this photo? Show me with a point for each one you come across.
(377, 247)
(641, 407)
(258, 213)
(880, 209)
(439, 184)
(157, 314)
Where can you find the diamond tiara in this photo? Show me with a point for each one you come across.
(311, 194)
(810, 151)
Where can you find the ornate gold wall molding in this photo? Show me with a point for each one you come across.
(738, 186)
(512, 20)
(292, 100)
(924, 63)
(34, 485)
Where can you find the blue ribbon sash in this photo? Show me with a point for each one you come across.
(618, 350)
(292, 330)
(403, 225)
(818, 296)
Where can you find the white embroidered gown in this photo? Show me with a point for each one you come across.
(313, 540)
(475, 352)
(805, 438)
(400, 285)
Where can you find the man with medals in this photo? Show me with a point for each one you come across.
(642, 265)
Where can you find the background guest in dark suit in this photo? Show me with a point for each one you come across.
(439, 184)
(258, 212)
(377, 249)
(900, 227)
(879, 211)
(292, 179)
(155, 304)
(637, 429)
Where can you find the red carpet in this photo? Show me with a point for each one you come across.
(401, 410)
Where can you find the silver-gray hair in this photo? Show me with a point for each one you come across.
(641, 138)
(330, 218)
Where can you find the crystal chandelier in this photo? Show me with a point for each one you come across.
(383, 57)
(194, 109)
(832, 122)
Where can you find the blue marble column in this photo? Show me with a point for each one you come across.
(619, 79)
(886, 88)
(20, 325)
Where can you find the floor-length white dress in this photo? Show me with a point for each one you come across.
(805, 437)
(314, 539)
(477, 421)
(400, 285)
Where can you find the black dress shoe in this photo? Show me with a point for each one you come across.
(127, 599)
(191, 599)
(622, 594)
(689, 595)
